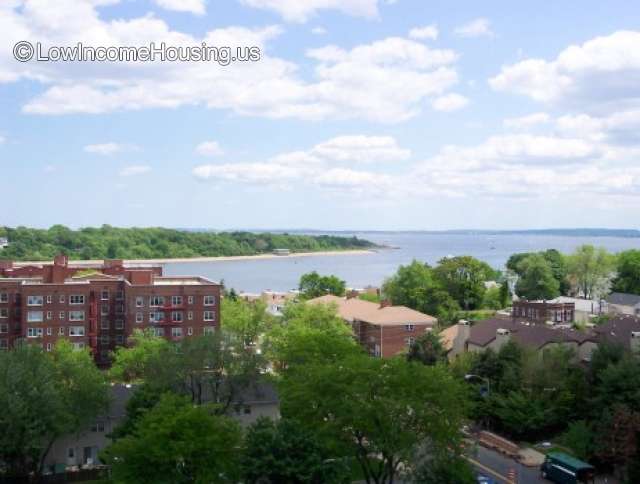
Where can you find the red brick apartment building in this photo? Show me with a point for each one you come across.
(383, 330)
(543, 311)
(101, 308)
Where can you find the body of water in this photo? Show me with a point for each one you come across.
(283, 273)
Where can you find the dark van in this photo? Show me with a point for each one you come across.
(564, 469)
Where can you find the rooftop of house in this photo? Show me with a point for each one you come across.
(618, 330)
(354, 309)
(527, 334)
(583, 305)
(623, 299)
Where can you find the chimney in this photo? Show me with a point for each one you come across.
(634, 342)
(502, 337)
(60, 260)
(385, 303)
(460, 341)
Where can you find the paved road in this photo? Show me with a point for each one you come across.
(486, 460)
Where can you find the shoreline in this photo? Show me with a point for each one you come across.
(223, 258)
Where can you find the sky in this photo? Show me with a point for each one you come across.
(359, 114)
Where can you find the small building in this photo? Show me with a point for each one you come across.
(281, 252)
(382, 329)
(584, 309)
(543, 311)
(622, 303)
(4, 242)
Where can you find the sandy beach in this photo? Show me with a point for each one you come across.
(89, 263)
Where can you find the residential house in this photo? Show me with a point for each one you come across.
(622, 303)
(382, 329)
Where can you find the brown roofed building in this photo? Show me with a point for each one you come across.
(623, 330)
(383, 330)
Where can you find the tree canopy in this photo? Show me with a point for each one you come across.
(109, 242)
(314, 285)
(536, 278)
(628, 272)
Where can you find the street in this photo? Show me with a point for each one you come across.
(497, 466)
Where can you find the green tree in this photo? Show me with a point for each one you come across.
(628, 272)
(427, 349)
(132, 362)
(246, 320)
(463, 278)
(307, 333)
(45, 396)
(284, 452)
(176, 442)
(580, 438)
(591, 270)
(536, 280)
(377, 411)
(314, 285)
(416, 287)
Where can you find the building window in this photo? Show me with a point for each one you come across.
(98, 427)
(61, 299)
(104, 309)
(119, 339)
(104, 295)
(35, 300)
(61, 331)
(119, 324)
(4, 328)
(4, 344)
(176, 316)
(139, 302)
(76, 330)
(49, 331)
(176, 300)
(176, 332)
(76, 315)
(4, 313)
(49, 346)
(156, 301)
(49, 315)
(49, 299)
(34, 333)
(104, 340)
(104, 324)
(209, 316)
(61, 315)
(409, 327)
(207, 330)
(4, 298)
(78, 346)
(190, 331)
(158, 331)
(119, 308)
(190, 315)
(35, 316)
(156, 317)
(139, 317)
(119, 295)
(190, 299)
(209, 300)
(409, 341)
(76, 299)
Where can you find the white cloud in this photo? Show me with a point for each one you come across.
(326, 165)
(603, 74)
(2, 140)
(361, 149)
(104, 148)
(318, 30)
(525, 122)
(426, 32)
(302, 10)
(479, 27)
(389, 80)
(449, 102)
(133, 170)
(209, 148)
(197, 7)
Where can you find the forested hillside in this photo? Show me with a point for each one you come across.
(109, 242)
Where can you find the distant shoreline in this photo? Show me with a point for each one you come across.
(230, 258)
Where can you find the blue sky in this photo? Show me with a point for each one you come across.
(361, 114)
